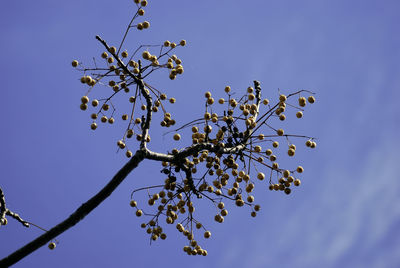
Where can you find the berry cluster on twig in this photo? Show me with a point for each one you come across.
(226, 157)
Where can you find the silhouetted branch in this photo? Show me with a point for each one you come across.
(78, 215)
(5, 211)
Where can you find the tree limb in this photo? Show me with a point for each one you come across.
(78, 215)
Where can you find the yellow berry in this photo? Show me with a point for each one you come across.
(224, 212)
(75, 63)
(139, 212)
(146, 55)
(282, 98)
(140, 12)
(300, 169)
(182, 42)
(52, 245)
(93, 126)
(302, 101)
(83, 106)
(275, 165)
(113, 50)
(167, 43)
(177, 137)
(286, 173)
(299, 114)
(207, 234)
(172, 100)
(124, 54)
(297, 182)
(128, 154)
(291, 152)
(275, 144)
(227, 89)
(179, 69)
(143, 3)
(133, 203)
(146, 24)
(280, 132)
(311, 99)
(260, 176)
(173, 45)
(313, 144)
(104, 55)
(265, 101)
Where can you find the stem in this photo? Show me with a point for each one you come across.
(78, 215)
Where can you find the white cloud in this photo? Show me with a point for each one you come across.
(343, 223)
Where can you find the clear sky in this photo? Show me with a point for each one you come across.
(346, 212)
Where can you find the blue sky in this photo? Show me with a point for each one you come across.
(346, 212)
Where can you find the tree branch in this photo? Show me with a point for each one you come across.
(5, 211)
(78, 215)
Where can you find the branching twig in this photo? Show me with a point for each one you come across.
(5, 211)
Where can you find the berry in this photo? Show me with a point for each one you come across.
(177, 137)
(52, 245)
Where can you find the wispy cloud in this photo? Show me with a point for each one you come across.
(344, 225)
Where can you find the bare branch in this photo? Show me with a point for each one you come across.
(78, 215)
(5, 211)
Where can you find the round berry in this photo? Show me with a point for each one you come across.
(299, 114)
(207, 234)
(52, 245)
(280, 132)
(177, 137)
